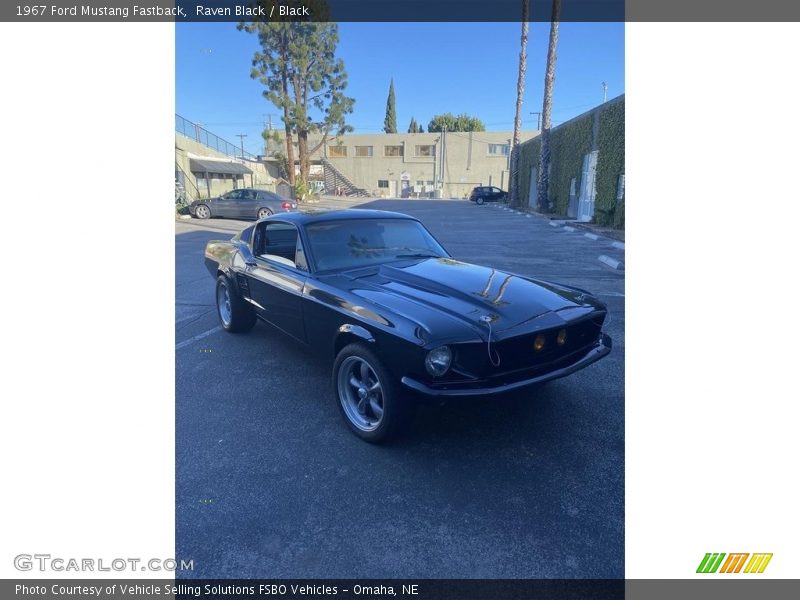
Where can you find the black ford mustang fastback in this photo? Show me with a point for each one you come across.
(375, 291)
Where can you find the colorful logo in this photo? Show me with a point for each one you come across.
(734, 562)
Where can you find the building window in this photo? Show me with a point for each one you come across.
(383, 183)
(499, 149)
(337, 151)
(363, 150)
(393, 150)
(427, 150)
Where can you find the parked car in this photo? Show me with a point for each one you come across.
(243, 203)
(483, 194)
(375, 292)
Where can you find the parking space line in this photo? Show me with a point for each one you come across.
(199, 336)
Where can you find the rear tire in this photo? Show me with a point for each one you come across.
(479, 200)
(202, 212)
(263, 213)
(367, 395)
(235, 314)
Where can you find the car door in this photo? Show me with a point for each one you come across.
(225, 205)
(246, 204)
(277, 279)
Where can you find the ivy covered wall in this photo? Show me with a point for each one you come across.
(569, 143)
(609, 211)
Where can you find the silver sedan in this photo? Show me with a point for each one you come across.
(242, 204)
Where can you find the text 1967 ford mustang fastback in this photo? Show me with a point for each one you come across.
(377, 293)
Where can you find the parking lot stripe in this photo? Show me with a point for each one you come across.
(199, 336)
(568, 228)
(619, 245)
(607, 260)
(592, 236)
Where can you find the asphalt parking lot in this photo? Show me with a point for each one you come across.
(271, 484)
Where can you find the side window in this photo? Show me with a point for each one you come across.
(276, 242)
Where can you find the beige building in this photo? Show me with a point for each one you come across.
(399, 165)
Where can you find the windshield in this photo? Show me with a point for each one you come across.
(353, 243)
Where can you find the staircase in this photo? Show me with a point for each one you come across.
(185, 189)
(334, 179)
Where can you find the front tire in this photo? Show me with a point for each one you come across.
(202, 212)
(479, 200)
(235, 314)
(367, 395)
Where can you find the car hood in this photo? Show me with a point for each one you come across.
(445, 295)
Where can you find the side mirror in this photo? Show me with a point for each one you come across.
(248, 257)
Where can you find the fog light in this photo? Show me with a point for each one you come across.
(561, 339)
(538, 343)
(438, 361)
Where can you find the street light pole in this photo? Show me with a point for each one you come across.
(538, 120)
(605, 92)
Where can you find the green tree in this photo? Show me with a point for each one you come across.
(543, 182)
(523, 65)
(462, 122)
(420, 128)
(390, 122)
(413, 127)
(302, 77)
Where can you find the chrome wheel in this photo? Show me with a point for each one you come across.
(264, 213)
(224, 304)
(360, 393)
(202, 212)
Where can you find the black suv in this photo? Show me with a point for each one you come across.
(487, 193)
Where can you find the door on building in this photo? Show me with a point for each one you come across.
(532, 187)
(587, 195)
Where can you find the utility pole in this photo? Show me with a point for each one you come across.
(241, 137)
(268, 127)
(444, 150)
(538, 120)
(605, 92)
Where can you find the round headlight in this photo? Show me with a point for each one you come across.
(538, 342)
(561, 339)
(438, 361)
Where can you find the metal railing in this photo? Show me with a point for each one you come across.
(202, 136)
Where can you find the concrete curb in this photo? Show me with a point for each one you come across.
(553, 224)
(608, 261)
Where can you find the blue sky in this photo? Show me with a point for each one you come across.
(437, 67)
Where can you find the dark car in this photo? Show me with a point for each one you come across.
(375, 292)
(483, 194)
(243, 203)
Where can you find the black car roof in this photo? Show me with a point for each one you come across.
(316, 215)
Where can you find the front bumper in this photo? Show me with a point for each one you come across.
(595, 353)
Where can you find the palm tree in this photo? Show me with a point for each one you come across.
(523, 65)
(543, 183)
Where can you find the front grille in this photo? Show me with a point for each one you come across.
(518, 353)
